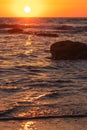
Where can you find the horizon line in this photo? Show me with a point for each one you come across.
(45, 17)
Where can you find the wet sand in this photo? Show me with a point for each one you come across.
(46, 124)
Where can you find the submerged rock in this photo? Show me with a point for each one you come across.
(68, 50)
(47, 34)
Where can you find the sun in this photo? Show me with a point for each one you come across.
(27, 9)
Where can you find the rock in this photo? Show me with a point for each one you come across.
(68, 50)
(47, 34)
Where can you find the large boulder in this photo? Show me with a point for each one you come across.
(68, 50)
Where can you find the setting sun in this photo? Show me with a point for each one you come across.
(27, 9)
(40, 8)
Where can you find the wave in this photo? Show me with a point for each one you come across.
(25, 110)
(24, 26)
(42, 117)
(15, 112)
(7, 111)
(18, 30)
(75, 29)
(9, 89)
(37, 33)
(41, 30)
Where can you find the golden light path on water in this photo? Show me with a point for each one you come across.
(30, 125)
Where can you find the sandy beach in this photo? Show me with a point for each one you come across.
(46, 124)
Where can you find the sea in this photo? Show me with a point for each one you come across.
(32, 84)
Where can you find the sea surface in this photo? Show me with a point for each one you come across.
(32, 85)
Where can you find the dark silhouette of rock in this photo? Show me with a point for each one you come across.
(47, 34)
(68, 50)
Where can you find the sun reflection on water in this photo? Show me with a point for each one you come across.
(29, 46)
(27, 52)
(28, 43)
(30, 125)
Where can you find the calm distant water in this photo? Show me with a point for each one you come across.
(31, 83)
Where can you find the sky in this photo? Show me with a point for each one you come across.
(43, 8)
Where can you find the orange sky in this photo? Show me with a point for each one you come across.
(44, 8)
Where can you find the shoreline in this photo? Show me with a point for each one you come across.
(46, 124)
